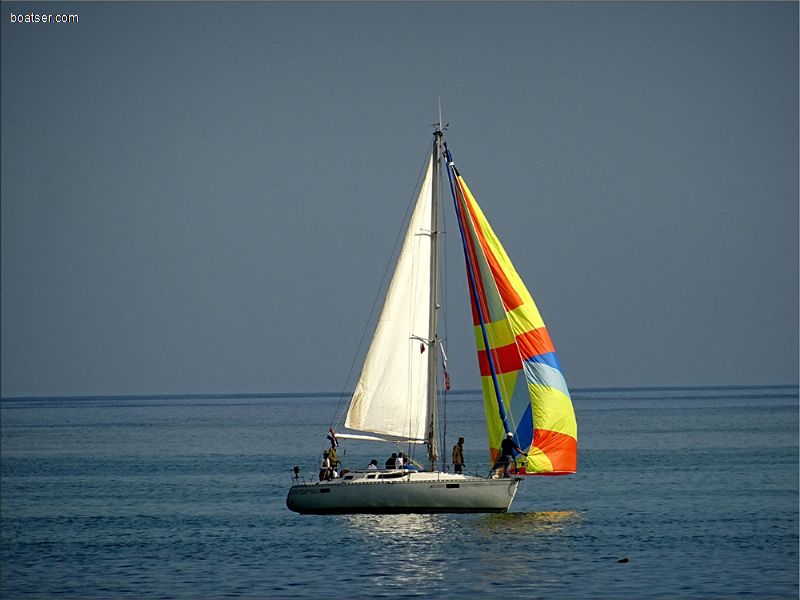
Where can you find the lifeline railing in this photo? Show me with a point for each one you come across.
(482, 470)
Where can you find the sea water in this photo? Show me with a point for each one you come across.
(694, 490)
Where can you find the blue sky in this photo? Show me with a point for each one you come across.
(202, 197)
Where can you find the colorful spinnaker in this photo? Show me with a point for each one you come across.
(524, 389)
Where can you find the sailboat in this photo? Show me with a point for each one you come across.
(525, 396)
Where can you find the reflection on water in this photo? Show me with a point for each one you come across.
(428, 550)
(397, 527)
(417, 527)
(545, 523)
(414, 543)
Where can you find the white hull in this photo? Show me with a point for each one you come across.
(403, 492)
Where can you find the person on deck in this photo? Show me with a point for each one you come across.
(458, 456)
(325, 467)
(391, 461)
(507, 447)
(399, 461)
(332, 455)
(373, 465)
(408, 465)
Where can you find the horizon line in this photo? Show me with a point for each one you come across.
(256, 395)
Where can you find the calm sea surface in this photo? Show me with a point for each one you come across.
(179, 497)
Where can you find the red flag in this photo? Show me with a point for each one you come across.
(444, 366)
(332, 437)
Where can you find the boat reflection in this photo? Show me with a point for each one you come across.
(398, 527)
(404, 539)
(544, 523)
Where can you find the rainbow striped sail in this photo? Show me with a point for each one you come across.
(524, 389)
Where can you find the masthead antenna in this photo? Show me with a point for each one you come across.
(440, 126)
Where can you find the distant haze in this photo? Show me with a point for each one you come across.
(202, 197)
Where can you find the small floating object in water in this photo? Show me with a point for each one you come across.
(624, 560)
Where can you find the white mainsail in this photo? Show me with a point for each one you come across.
(391, 395)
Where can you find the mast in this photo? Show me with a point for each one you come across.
(433, 337)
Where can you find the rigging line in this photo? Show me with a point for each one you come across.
(337, 415)
(451, 174)
(443, 262)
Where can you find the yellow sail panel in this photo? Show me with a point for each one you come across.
(499, 334)
(535, 462)
(553, 410)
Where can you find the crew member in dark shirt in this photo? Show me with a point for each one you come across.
(507, 447)
(390, 462)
